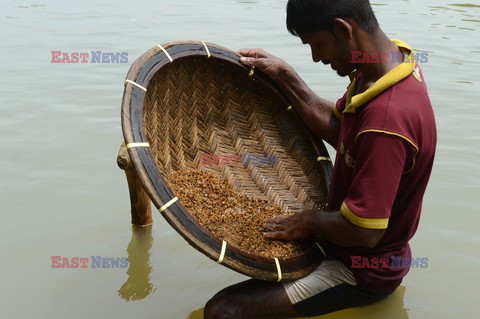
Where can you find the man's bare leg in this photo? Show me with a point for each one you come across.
(250, 299)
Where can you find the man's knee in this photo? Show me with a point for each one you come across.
(212, 309)
(224, 308)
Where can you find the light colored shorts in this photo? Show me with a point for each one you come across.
(330, 287)
(328, 274)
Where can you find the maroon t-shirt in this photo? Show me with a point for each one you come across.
(384, 159)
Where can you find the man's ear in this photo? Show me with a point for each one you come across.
(342, 29)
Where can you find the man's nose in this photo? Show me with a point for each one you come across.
(316, 57)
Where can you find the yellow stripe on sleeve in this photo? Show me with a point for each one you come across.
(370, 223)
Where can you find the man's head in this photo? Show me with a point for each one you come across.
(331, 27)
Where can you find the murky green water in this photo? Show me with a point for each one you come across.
(62, 194)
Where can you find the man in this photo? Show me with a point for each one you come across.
(384, 132)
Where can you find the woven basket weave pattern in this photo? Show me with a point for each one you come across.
(206, 106)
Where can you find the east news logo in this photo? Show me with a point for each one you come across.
(84, 262)
(92, 57)
(394, 262)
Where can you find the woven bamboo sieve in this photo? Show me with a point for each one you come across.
(183, 99)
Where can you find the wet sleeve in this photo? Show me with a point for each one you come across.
(379, 166)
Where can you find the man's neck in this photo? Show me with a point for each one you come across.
(378, 43)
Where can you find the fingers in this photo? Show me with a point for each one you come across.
(277, 223)
(286, 228)
(277, 228)
(246, 52)
(249, 61)
(260, 63)
(253, 57)
(254, 53)
(276, 235)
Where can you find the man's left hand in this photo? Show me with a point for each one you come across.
(289, 228)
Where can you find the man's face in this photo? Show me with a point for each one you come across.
(329, 49)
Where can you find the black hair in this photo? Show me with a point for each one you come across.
(318, 15)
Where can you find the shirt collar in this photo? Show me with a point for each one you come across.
(394, 76)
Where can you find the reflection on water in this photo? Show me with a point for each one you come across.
(391, 308)
(197, 314)
(67, 115)
(138, 285)
(465, 5)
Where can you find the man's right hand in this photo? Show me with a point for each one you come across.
(269, 64)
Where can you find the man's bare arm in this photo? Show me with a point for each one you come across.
(316, 113)
(331, 226)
